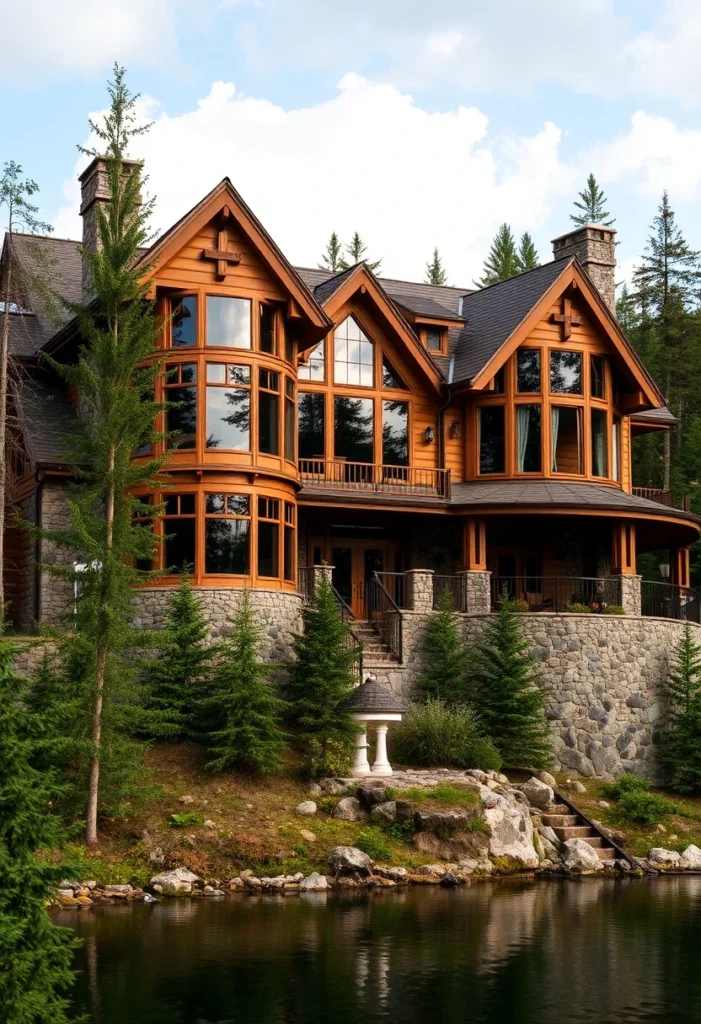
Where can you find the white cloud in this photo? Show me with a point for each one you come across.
(369, 159)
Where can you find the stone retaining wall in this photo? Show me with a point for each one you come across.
(602, 674)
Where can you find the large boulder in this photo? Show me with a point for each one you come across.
(580, 858)
(510, 827)
(663, 860)
(386, 812)
(178, 881)
(458, 846)
(314, 883)
(538, 793)
(443, 823)
(349, 858)
(371, 794)
(690, 859)
(348, 809)
(306, 808)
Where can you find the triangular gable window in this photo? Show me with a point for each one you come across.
(390, 378)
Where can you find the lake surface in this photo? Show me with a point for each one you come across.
(558, 951)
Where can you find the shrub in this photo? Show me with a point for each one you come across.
(435, 733)
(371, 842)
(186, 819)
(615, 609)
(635, 803)
(579, 609)
(625, 784)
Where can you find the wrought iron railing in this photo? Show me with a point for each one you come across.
(397, 585)
(667, 601)
(305, 582)
(456, 586)
(338, 475)
(384, 614)
(557, 593)
(663, 497)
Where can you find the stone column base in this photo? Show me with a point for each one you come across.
(478, 591)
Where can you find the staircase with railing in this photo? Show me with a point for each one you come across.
(384, 612)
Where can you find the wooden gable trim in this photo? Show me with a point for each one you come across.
(573, 275)
(363, 281)
(225, 195)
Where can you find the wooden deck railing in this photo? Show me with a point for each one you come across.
(337, 475)
(663, 497)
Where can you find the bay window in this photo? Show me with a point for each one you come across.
(268, 536)
(528, 450)
(227, 524)
(289, 550)
(566, 438)
(228, 322)
(179, 524)
(616, 449)
(599, 443)
(597, 374)
(268, 412)
(492, 439)
(566, 372)
(528, 370)
(289, 419)
(268, 324)
(183, 322)
(181, 409)
(228, 407)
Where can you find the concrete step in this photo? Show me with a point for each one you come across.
(559, 809)
(559, 820)
(606, 853)
(595, 841)
(573, 832)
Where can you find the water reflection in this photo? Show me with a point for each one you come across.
(521, 952)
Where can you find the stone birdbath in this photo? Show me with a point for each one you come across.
(373, 703)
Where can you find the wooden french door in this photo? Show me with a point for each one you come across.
(354, 563)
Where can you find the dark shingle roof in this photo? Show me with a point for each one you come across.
(323, 292)
(404, 292)
(657, 416)
(373, 698)
(423, 306)
(494, 313)
(47, 418)
(30, 331)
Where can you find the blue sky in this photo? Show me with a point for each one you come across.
(416, 123)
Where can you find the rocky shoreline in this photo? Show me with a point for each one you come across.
(498, 834)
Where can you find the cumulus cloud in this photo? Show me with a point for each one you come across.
(369, 159)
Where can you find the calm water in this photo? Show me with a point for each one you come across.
(542, 952)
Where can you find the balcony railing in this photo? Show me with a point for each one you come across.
(338, 475)
(456, 586)
(663, 497)
(557, 593)
(667, 601)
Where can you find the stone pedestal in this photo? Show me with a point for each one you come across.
(630, 594)
(478, 591)
(420, 587)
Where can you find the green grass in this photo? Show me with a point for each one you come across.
(443, 793)
(186, 819)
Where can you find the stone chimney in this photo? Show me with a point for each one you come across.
(595, 247)
(95, 189)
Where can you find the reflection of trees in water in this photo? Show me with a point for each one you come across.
(546, 952)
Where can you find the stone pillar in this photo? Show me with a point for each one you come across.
(630, 594)
(381, 765)
(321, 571)
(420, 590)
(478, 591)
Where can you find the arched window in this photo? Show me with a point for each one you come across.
(353, 355)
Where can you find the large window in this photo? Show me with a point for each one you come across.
(566, 373)
(183, 322)
(179, 530)
(599, 443)
(228, 407)
(528, 454)
(616, 448)
(395, 433)
(228, 322)
(353, 355)
(528, 370)
(268, 536)
(289, 419)
(566, 438)
(227, 534)
(290, 544)
(491, 439)
(597, 366)
(311, 425)
(181, 398)
(268, 324)
(268, 412)
(390, 377)
(313, 369)
(353, 429)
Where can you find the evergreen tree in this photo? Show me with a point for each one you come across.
(506, 695)
(503, 260)
(36, 973)
(527, 255)
(247, 735)
(443, 657)
(180, 668)
(331, 257)
(592, 205)
(435, 272)
(680, 750)
(321, 677)
(113, 377)
(355, 252)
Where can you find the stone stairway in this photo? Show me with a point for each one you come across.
(566, 823)
(375, 653)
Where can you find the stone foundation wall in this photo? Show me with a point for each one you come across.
(602, 675)
(56, 595)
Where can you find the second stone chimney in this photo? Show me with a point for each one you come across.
(95, 189)
(595, 247)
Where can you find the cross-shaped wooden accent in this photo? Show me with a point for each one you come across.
(567, 318)
(221, 254)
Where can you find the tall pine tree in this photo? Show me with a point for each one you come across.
(503, 260)
(435, 271)
(321, 677)
(680, 749)
(527, 255)
(443, 658)
(113, 377)
(506, 695)
(592, 205)
(36, 974)
(332, 256)
(355, 252)
(242, 710)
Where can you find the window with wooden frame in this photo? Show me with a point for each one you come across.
(290, 419)
(354, 355)
(313, 369)
(290, 543)
(268, 328)
(228, 322)
(183, 322)
(228, 419)
(227, 533)
(268, 537)
(179, 525)
(435, 339)
(311, 424)
(492, 439)
(268, 412)
(180, 386)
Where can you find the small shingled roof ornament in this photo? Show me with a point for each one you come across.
(375, 703)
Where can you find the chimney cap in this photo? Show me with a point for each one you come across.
(583, 229)
(102, 159)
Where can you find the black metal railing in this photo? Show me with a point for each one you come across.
(384, 614)
(667, 601)
(397, 585)
(557, 593)
(305, 582)
(456, 586)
